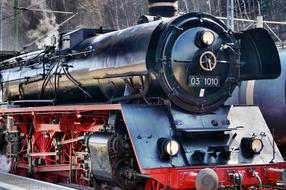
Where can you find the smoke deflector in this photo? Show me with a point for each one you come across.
(259, 56)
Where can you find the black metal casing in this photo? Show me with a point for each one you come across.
(154, 59)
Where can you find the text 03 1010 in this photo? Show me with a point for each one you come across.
(203, 81)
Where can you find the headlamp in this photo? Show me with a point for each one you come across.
(167, 147)
(207, 37)
(256, 145)
(251, 146)
(172, 147)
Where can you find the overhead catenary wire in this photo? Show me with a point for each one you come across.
(44, 10)
(31, 6)
(252, 22)
(272, 32)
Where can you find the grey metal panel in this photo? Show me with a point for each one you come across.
(100, 163)
(146, 124)
(253, 122)
(215, 120)
(242, 120)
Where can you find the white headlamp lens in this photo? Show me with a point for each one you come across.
(256, 145)
(207, 37)
(172, 147)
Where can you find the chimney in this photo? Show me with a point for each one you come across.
(163, 8)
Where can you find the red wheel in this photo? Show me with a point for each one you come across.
(153, 185)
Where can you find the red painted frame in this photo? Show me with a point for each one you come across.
(43, 123)
(185, 178)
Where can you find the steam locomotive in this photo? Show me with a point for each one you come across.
(142, 108)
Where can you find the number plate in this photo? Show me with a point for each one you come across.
(203, 81)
